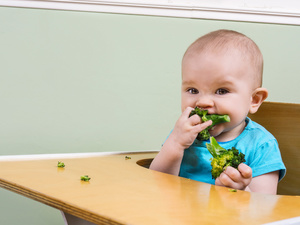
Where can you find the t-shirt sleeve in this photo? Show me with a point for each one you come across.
(268, 159)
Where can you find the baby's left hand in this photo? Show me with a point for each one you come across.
(235, 178)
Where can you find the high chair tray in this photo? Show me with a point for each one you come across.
(122, 190)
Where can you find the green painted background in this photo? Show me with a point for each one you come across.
(90, 82)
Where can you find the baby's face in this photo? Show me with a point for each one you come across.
(222, 84)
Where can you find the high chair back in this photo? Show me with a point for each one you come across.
(283, 121)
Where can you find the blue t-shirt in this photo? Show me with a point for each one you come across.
(260, 147)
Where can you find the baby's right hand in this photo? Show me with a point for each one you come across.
(187, 128)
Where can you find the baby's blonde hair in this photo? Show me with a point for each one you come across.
(226, 40)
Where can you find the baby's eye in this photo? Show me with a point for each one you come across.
(193, 91)
(221, 91)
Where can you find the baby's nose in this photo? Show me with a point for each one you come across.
(205, 102)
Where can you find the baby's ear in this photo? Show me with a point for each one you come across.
(258, 96)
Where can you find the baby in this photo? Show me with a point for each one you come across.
(222, 73)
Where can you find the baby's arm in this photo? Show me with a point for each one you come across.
(266, 183)
(186, 129)
(242, 179)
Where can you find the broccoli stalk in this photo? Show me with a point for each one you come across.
(215, 118)
(223, 158)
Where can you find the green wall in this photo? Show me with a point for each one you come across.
(91, 82)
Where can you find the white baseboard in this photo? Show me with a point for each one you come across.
(64, 155)
(262, 11)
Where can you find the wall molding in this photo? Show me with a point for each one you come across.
(262, 11)
(66, 155)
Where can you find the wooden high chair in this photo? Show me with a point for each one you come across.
(283, 121)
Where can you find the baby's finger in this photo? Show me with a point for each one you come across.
(218, 182)
(200, 127)
(186, 113)
(232, 177)
(224, 180)
(233, 173)
(194, 120)
(245, 170)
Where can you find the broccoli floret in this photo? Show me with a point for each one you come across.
(60, 164)
(85, 178)
(215, 118)
(223, 158)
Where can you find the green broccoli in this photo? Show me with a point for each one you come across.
(215, 118)
(223, 158)
(60, 164)
(85, 178)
